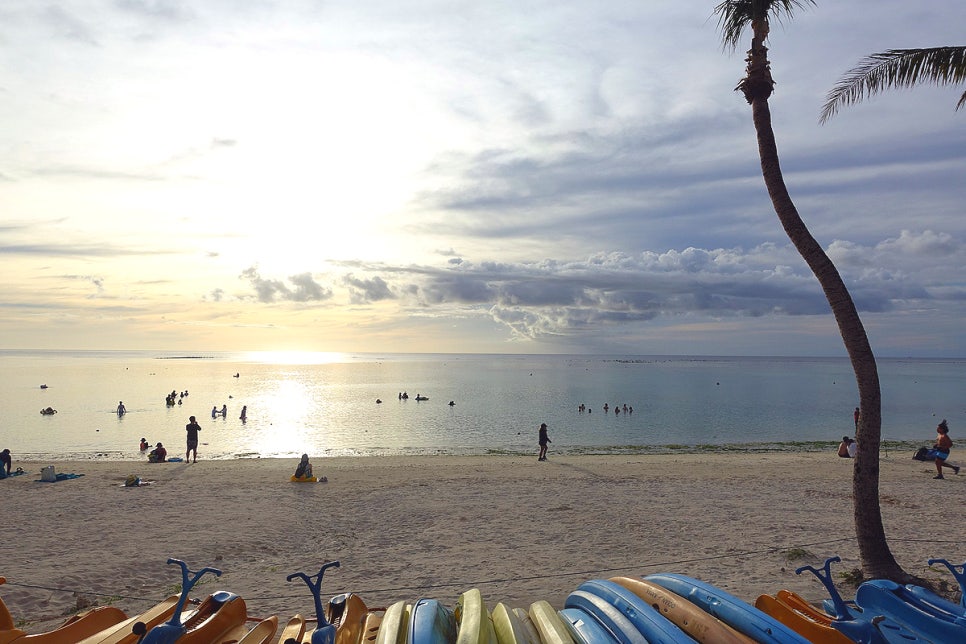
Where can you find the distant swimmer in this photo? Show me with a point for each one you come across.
(121, 409)
(214, 412)
(452, 403)
(378, 401)
(43, 386)
(236, 375)
(144, 444)
(48, 411)
(224, 411)
(244, 413)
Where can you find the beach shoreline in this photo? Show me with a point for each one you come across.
(405, 527)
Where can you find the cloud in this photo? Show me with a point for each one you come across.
(613, 290)
(303, 288)
(362, 291)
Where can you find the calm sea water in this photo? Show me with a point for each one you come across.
(325, 404)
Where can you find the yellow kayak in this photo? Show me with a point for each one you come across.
(509, 628)
(473, 619)
(552, 630)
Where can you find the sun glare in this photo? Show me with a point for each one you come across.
(296, 357)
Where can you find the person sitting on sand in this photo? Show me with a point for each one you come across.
(844, 447)
(158, 454)
(304, 469)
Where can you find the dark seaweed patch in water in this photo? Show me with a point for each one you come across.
(184, 358)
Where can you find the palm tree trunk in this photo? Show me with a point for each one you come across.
(877, 560)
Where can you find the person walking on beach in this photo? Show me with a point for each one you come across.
(192, 428)
(942, 447)
(544, 440)
(5, 463)
(856, 415)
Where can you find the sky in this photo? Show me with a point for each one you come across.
(515, 176)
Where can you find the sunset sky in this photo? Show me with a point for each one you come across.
(572, 176)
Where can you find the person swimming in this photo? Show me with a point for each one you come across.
(144, 444)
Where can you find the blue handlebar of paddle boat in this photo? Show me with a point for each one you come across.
(825, 576)
(862, 623)
(846, 622)
(324, 632)
(173, 629)
(960, 576)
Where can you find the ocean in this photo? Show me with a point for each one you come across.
(326, 404)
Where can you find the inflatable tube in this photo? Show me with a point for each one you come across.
(304, 479)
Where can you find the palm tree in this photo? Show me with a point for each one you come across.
(898, 68)
(757, 85)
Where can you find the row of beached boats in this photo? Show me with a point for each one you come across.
(660, 608)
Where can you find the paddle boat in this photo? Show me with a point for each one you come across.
(218, 615)
(71, 631)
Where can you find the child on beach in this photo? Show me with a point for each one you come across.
(942, 447)
(543, 440)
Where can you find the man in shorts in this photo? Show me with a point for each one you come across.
(192, 428)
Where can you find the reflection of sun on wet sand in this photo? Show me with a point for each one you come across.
(410, 527)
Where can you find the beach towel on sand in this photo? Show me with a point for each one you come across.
(60, 477)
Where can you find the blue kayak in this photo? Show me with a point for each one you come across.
(584, 628)
(430, 622)
(740, 615)
(656, 628)
(621, 628)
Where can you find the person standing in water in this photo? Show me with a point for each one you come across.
(192, 428)
(544, 441)
(121, 409)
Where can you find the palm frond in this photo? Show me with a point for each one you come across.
(897, 68)
(735, 15)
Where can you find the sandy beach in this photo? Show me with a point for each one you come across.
(410, 527)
